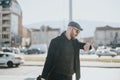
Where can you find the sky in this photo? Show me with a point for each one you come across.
(35, 11)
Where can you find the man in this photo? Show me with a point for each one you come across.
(63, 55)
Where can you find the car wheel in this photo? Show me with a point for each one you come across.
(17, 65)
(98, 55)
(10, 64)
(113, 55)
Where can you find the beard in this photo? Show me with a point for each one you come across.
(73, 36)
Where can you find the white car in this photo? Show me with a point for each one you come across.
(90, 52)
(10, 59)
(104, 52)
(118, 50)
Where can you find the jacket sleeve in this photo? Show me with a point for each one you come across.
(81, 45)
(49, 60)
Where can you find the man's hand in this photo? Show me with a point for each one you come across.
(86, 47)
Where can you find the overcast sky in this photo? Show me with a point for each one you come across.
(35, 11)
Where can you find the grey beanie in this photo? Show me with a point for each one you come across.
(75, 24)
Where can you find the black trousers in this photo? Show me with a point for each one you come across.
(57, 76)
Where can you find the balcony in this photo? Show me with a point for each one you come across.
(6, 23)
(4, 39)
(6, 9)
(1, 40)
(6, 18)
(5, 32)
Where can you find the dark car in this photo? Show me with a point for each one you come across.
(32, 51)
(7, 50)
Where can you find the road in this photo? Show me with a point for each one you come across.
(31, 72)
(20, 73)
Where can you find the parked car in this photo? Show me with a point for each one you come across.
(23, 50)
(118, 50)
(10, 59)
(16, 50)
(82, 52)
(6, 49)
(41, 47)
(105, 52)
(33, 51)
(90, 52)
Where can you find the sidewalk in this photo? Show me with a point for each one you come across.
(86, 61)
(93, 58)
(33, 63)
(83, 64)
(100, 64)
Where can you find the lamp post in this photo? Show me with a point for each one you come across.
(70, 10)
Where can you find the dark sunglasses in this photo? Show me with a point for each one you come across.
(76, 30)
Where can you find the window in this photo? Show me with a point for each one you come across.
(111, 34)
(4, 29)
(5, 36)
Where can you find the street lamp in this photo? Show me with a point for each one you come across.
(70, 10)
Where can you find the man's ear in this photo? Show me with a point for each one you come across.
(70, 28)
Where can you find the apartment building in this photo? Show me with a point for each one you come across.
(10, 23)
(88, 40)
(26, 37)
(107, 36)
(43, 35)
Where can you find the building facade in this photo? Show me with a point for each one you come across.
(10, 23)
(107, 36)
(43, 35)
(26, 37)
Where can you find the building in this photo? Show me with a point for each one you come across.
(26, 37)
(43, 35)
(10, 23)
(107, 36)
(88, 40)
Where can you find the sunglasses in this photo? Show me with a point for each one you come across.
(76, 30)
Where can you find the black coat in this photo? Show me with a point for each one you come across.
(53, 53)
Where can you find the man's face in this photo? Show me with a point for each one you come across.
(74, 32)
